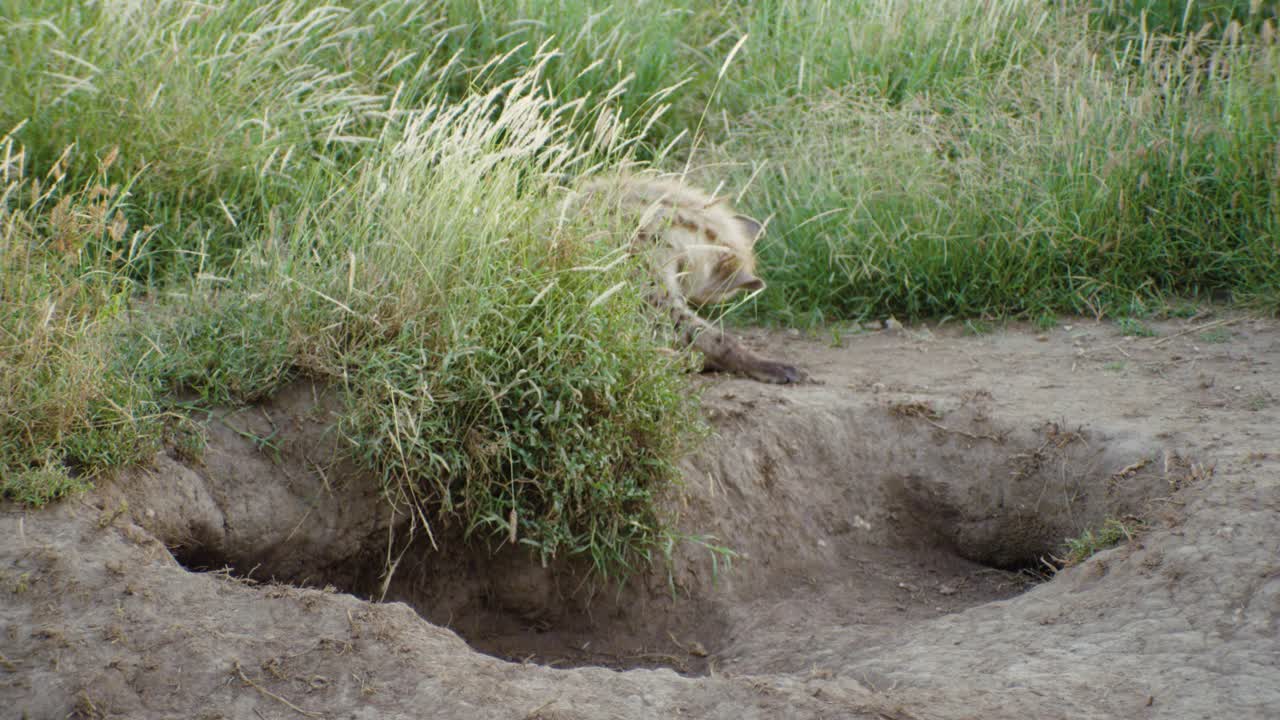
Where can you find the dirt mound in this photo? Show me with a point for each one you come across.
(890, 524)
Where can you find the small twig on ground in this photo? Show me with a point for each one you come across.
(1198, 328)
(677, 642)
(971, 436)
(1130, 470)
(245, 679)
(927, 413)
(898, 714)
(662, 657)
(1113, 346)
(537, 712)
(297, 527)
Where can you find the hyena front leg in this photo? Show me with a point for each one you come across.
(720, 350)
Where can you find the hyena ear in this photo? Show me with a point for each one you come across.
(743, 280)
(751, 227)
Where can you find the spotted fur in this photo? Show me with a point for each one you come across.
(699, 252)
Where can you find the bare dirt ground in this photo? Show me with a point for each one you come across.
(890, 522)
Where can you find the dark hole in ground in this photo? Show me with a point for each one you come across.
(856, 518)
(507, 605)
(202, 559)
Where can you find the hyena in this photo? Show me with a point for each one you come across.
(700, 252)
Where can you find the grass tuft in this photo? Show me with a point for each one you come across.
(67, 408)
(501, 368)
(1091, 542)
(1135, 328)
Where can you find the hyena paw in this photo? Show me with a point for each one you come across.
(779, 373)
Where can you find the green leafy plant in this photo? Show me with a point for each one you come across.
(1092, 541)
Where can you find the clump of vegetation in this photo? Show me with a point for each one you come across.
(68, 410)
(1093, 541)
(1083, 178)
(221, 112)
(1135, 327)
(500, 367)
(501, 370)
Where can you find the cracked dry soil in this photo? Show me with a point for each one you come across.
(890, 524)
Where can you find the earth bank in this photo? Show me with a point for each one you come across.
(891, 525)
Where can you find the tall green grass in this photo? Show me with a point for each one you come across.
(217, 112)
(1056, 128)
(1078, 180)
(323, 192)
(501, 371)
(236, 109)
(1182, 18)
(889, 50)
(68, 410)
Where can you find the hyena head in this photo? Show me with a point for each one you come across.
(701, 248)
(715, 254)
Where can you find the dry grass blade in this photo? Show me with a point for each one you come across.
(238, 672)
(1199, 328)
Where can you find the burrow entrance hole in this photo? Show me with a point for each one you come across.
(890, 541)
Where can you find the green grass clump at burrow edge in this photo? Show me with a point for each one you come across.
(275, 219)
(499, 367)
(215, 198)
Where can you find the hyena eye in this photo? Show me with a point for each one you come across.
(731, 277)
